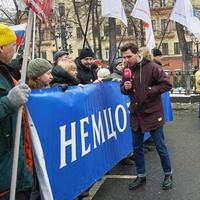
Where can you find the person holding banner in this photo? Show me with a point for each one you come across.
(39, 73)
(145, 84)
(11, 98)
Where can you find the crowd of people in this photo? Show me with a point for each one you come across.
(145, 86)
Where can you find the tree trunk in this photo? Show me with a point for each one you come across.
(98, 30)
(185, 55)
(112, 39)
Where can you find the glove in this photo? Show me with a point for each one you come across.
(19, 95)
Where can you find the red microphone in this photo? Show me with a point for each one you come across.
(127, 74)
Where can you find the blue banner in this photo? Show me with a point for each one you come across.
(78, 135)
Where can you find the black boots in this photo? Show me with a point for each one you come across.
(137, 182)
(168, 182)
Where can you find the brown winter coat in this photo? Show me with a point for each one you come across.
(149, 81)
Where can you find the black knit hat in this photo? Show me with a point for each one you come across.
(156, 52)
(86, 52)
(59, 54)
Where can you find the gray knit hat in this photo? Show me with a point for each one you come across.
(37, 67)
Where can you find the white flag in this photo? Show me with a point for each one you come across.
(114, 8)
(141, 11)
(184, 14)
(21, 5)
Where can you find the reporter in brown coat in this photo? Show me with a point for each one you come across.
(145, 87)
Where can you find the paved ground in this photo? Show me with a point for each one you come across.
(183, 139)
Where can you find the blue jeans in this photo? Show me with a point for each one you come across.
(158, 139)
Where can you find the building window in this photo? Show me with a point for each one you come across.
(153, 25)
(162, 3)
(165, 49)
(190, 47)
(41, 36)
(77, 6)
(106, 31)
(163, 25)
(79, 34)
(44, 54)
(107, 54)
(176, 48)
(151, 3)
(118, 30)
(130, 30)
(174, 26)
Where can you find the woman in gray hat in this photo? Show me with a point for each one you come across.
(39, 73)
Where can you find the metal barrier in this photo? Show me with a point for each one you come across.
(183, 82)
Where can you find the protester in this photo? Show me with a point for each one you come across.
(197, 84)
(86, 67)
(60, 56)
(157, 54)
(11, 98)
(117, 66)
(147, 83)
(64, 74)
(39, 73)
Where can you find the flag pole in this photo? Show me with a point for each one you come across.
(19, 116)
(163, 35)
(86, 29)
(33, 43)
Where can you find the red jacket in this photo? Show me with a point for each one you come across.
(149, 81)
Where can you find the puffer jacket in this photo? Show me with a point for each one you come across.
(8, 118)
(149, 81)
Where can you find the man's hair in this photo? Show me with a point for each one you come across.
(131, 46)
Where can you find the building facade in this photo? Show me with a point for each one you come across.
(53, 39)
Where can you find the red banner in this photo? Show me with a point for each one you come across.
(42, 8)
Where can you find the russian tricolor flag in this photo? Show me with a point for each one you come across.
(20, 31)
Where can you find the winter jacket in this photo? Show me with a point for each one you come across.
(8, 118)
(149, 81)
(116, 74)
(86, 75)
(62, 77)
(197, 81)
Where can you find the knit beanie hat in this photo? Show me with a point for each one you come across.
(58, 54)
(156, 52)
(86, 52)
(103, 73)
(117, 61)
(37, 67)
(7, 35)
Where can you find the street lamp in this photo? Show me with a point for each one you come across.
(62, 29)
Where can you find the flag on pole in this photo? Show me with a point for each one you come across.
(184, 13)
(20, 32)
(43, 9)
(141, 11)
(21, 5)
(114, 8)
